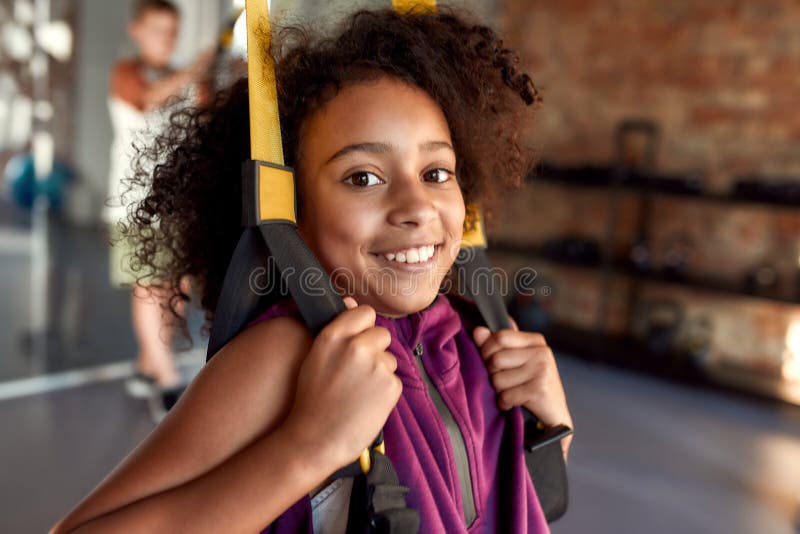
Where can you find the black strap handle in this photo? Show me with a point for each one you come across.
(543, 455)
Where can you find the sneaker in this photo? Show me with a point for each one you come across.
(161, 401)
(140, 386)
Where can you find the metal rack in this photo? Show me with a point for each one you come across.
(597, 344)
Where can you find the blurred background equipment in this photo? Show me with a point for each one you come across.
(23, 186)
(695, 339)
(657, 323)
(678, 256)
(577, 250)
(769, 189)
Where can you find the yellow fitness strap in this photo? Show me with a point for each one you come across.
(265, 127)
(473, 228)
(276, 193)
(404, 6)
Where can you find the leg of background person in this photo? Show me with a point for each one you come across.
(153, 332)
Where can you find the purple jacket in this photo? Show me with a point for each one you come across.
(418, 444)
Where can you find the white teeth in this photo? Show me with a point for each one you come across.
(412, 255)
(423, 254)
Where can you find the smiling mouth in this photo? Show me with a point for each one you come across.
(411, 255)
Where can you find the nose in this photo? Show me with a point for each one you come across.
(412, 204)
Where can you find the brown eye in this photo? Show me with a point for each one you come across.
(437, 176)
(363, 179)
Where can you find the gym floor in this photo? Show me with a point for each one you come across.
(648, 457)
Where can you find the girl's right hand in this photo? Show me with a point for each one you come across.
(346, 387)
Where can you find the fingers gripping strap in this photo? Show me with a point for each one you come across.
(265, 128)
(543, 452)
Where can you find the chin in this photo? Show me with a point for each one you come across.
(402, 305)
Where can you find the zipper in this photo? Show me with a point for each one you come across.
(456, 441)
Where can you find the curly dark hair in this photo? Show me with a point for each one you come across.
(192, 213)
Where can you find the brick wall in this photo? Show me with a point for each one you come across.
(722, 79)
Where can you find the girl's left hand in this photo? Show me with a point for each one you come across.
(523, 371)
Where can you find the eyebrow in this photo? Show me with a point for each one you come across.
(386, 148)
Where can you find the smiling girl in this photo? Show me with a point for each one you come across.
(391, 126)
(384, 194)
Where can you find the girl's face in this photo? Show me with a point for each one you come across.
(381, 205)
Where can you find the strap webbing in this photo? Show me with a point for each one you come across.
(482, 286)
(265, 127)
(404, 6)
(378, 502)
(543, 455)
(238, 302)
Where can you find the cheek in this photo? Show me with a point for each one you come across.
(454, 214)
(353, 225)
(338, 230)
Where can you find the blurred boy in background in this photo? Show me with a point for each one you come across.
(141, 88)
